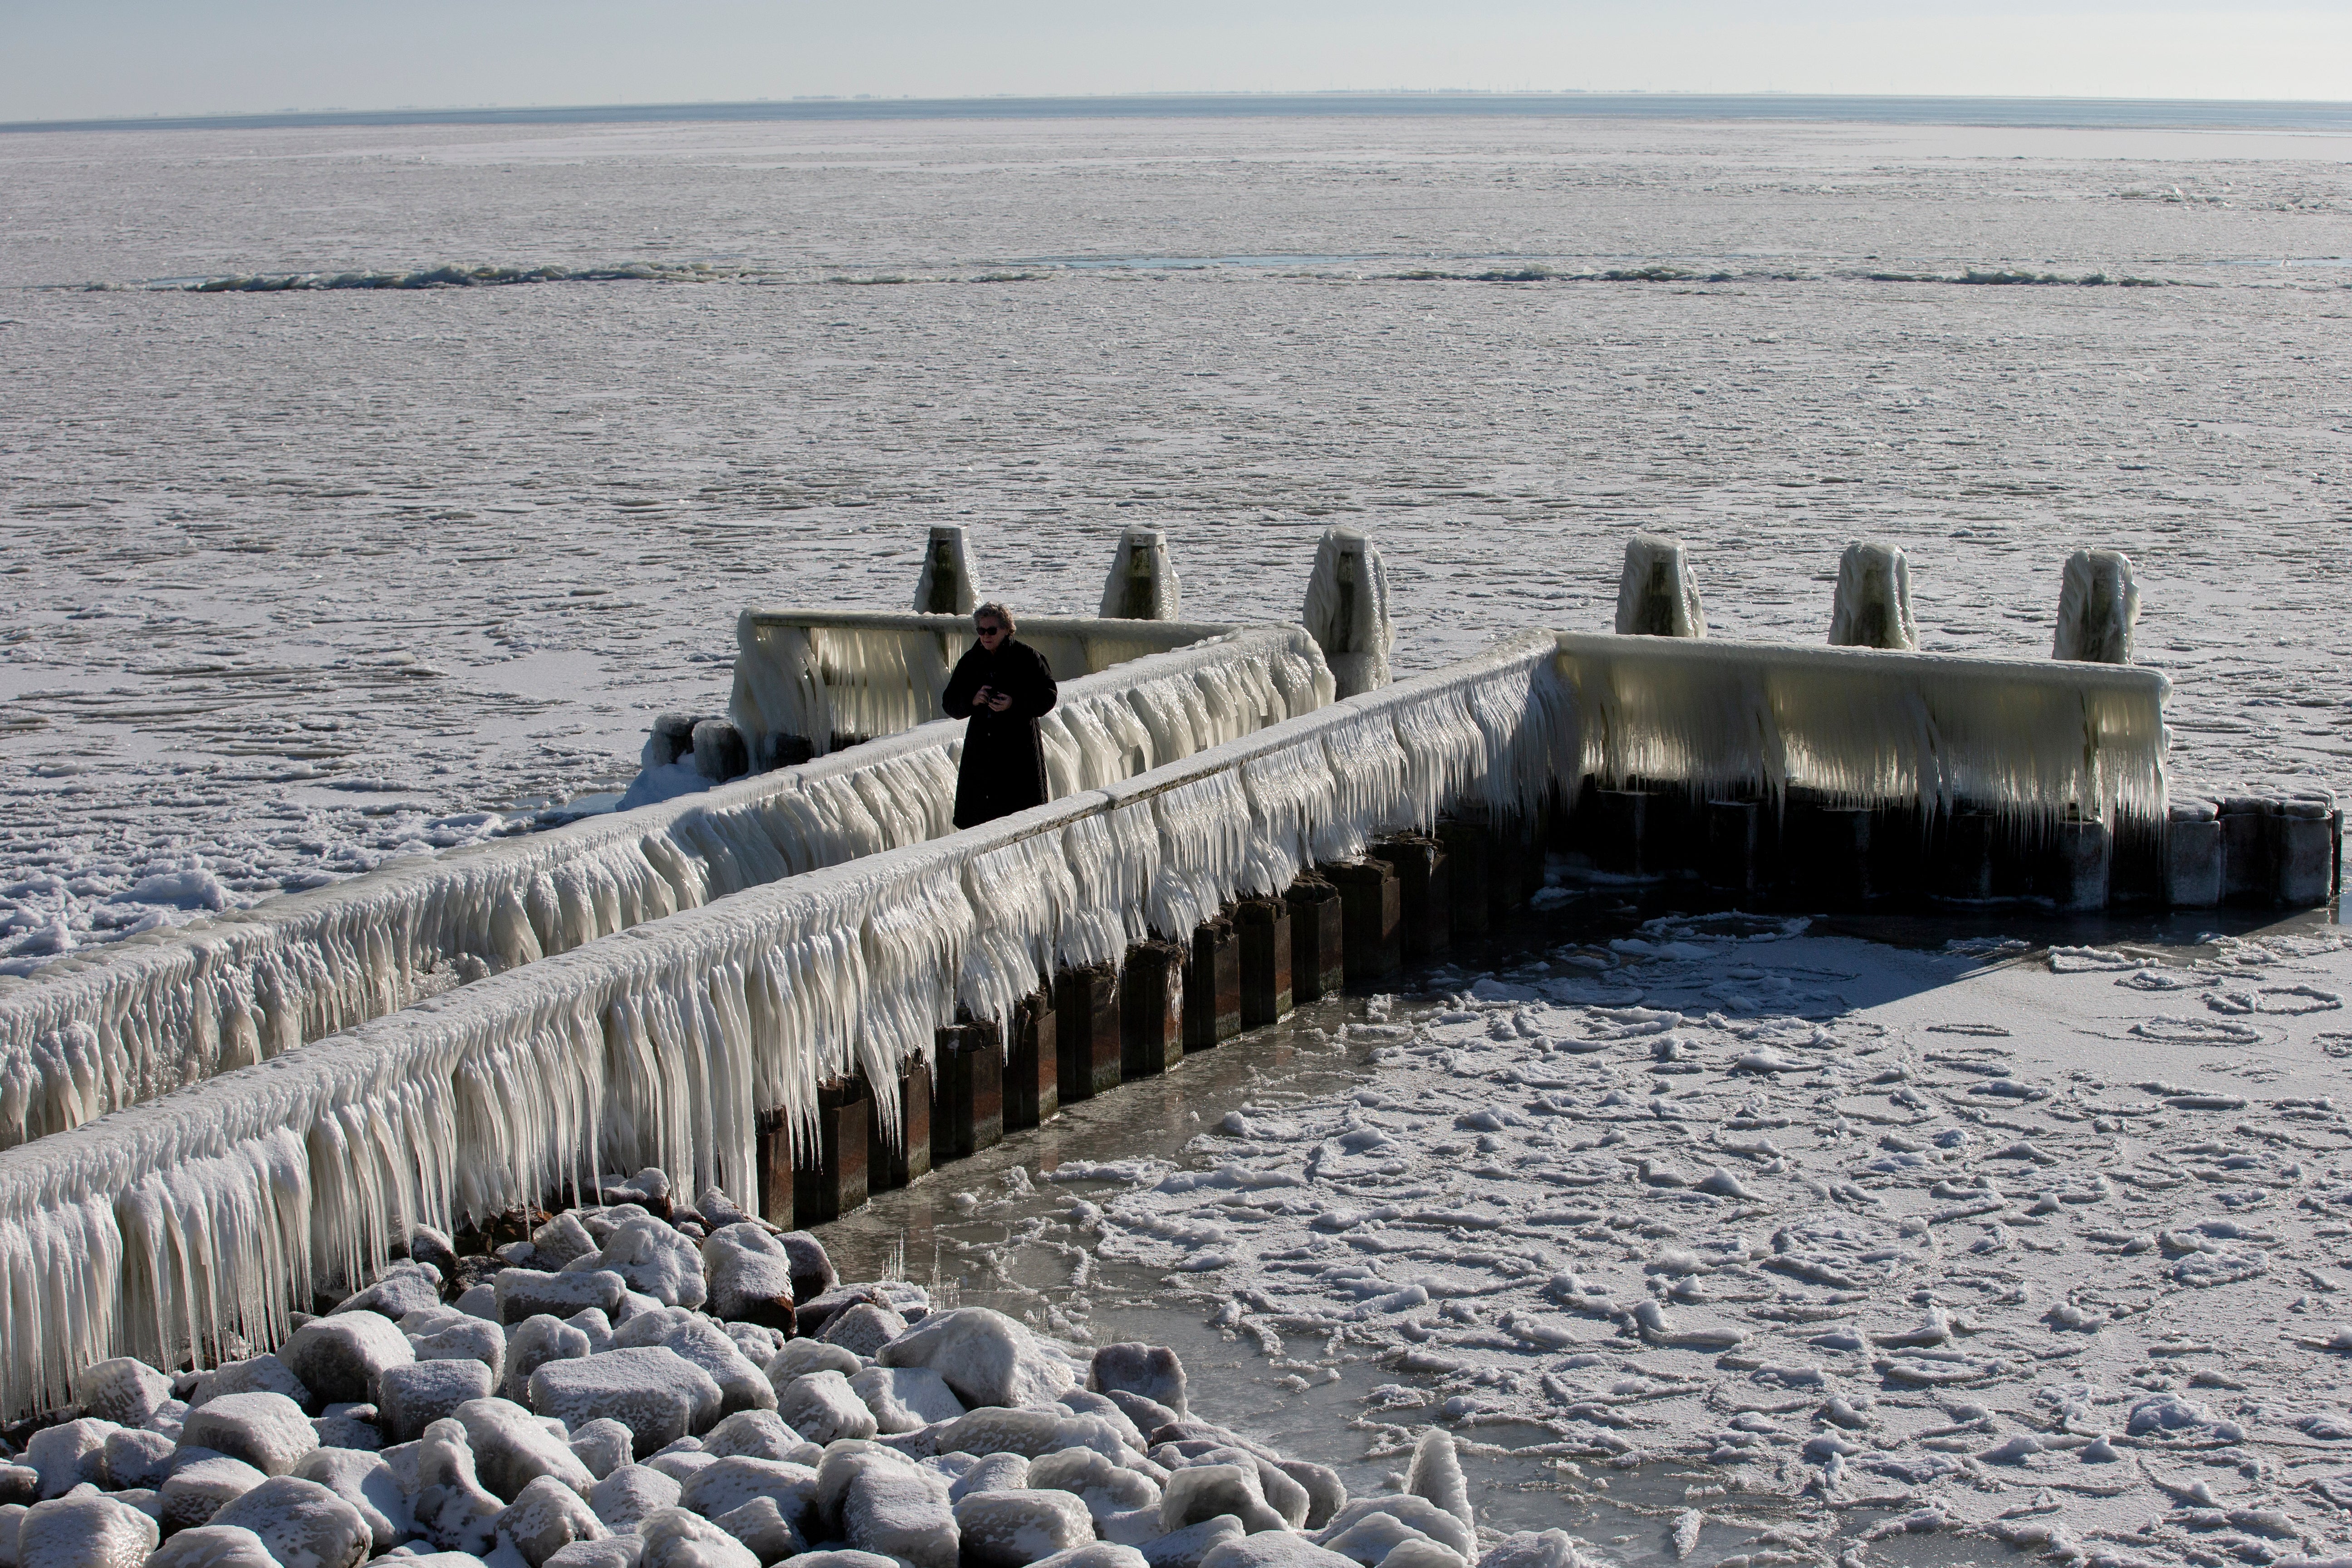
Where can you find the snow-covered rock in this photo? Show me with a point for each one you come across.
(656, 1393)
(413, 1397)
(257, 1374)
(213, 1546)
(367, 1483)
(1015, 1529)
(531, 1344)
(526, 1293)
(1151, 1371)
(749, 1274)
(753, 1434)
(453, 1510)
(862, 1330)
(201, 1484)
(268, 1431)
(1030, 1433)
(302, 1523)
(340, 1359)
(741, 1384)
(655, 1260)
(986, 1357)
(624, 1498)
(135, 1457)
(603, 1446)
(1272, 1549)
(398, 1291)
(1095, 1555)
(813, 1270)
(1184, 1548)
(822, 1407)
(547, 1516)
(72, 1454)
(906, 1398)
(800, 1357)
(1205, 1492)
(124, 1391)
(1104, 1485)
(725, 1485)
(677, 1539)
(461, 1338)
(89, 1530)
(904, 1514)
(1419, 1513)
(761, 1526)
(512, 1448)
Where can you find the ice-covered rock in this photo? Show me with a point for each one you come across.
(1205, 1492)
(1411, 1510)
(72, 1453)
(367, 1483)
(1272, 1549)
(561, 1240)
(655, 1260)
(1150, 1371)
(603, 1446)
(1086, 1402)
(340, 1359)
(512, 1448)
(840, 1466)
(415, 1397)
(813, 1270)
(749, 1274)
(302, 1523)
(547, 1516)
(753, 1434)
(906, 1398)
(624, 1498)
(526, 1293)
(1032, 1433)
(822, 1406)
(741, 1384)
(2098, 605)
(801, 1357)
(991, 1473)
(656, 1393)
(902, 1513)
(1104, 1485)
(1534, 1549)
(844, 1559)
(986, 1357)
(1142, 585)
(1326, 1494)
(1148, 1414)
(1095, 1555)
(531, 1344)
(257, 1374)
(613, 1551)
(1015, 1529)
(677, 1539)
(452, 1507)
(864, 1329)
(398, 1291)
(1184, 1548)
(1873, 608)
(20, 1485)
(466, 1339)
(727, 1484)
(200, 1485)
(124, 1391)
(1373, 1538)
(1346, 610)
(1436, 1474)
(268, 1431)
(214, 1546)
(761, 1526)
(87, 1531)
(135, 1457)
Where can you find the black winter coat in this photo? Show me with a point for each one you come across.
(1003, 757)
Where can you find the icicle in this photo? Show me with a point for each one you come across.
(2098, 605)
(1346, 610)
(1141, 585)
(1657, 595)
(945, 586)
(1873, 599)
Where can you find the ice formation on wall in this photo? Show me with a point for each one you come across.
(1142, 584)
(2098, 604)
(2026, 737)
(153, 1014)
(1873, 599)
(827, 676)
(1657, 594)
(945, 588)
(1346, 610)
(162, 1230)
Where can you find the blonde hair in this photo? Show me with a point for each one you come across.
(994, 611)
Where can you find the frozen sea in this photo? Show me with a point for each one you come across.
(1809, 1247)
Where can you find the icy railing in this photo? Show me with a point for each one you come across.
(160, 1230)
(822, 673)
(2028, 738)
(86, 1036)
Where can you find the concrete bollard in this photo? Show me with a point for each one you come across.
(1468, 844)
(1212, 985)
(1424, 892)
(784, 752)
(829, 1180)
(1731, 841)
(1033, 1065)
(1087, 1031)
(719, 753)
(895, 1159)
(1318, 946)
(968, 1106)
(1263, 927)
(2304, 852)
(2192, 855)
(1621, 826)
(1152, 1009)
(2247, 877)
(773, 1170)
(2080, 863)
(1372, 915)
(1966, 872)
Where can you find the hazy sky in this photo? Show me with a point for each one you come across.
(110, 57)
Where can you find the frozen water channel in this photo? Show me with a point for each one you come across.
(1815, 1242)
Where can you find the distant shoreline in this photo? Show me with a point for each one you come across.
(2072, 113)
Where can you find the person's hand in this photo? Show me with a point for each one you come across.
(999, 701)
(983, 697)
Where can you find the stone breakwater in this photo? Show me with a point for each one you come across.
(647, 1385)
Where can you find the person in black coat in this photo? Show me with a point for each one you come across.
(1003, 687)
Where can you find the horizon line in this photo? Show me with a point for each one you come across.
(2216, 112)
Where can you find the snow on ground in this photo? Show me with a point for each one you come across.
(2045, 1246)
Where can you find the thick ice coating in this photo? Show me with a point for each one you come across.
(1346, 610)
(1657, 593)
(2098, 605)
(1873, 599)
(944, 588)
(1141, 585)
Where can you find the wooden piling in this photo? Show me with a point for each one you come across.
(1152, 1009)
(2247, 875)
(1372, 912)
(968, 1107)
(1212, 985)
(893, 1160)
(1033, 1066)
(1319, 945)
(773, 1172)
(1087, 1030)
(829, 1180)
(1620, 831)
(1729, 864)
(2080, 861)
(1467, 843)
(1424, 892)
(1264, 927)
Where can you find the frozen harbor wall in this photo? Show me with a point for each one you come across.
(84, 1037)
(159, 1229)
(2021, 738)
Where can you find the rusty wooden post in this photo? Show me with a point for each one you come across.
(968, 1107)
(774, 1156)
(1087, 1030)
(1424, 892)
(1318, 946)
(894, 1162)
(1152, 1009)
(1262, 926)
(1212, 985)
(1373, 914)
(830, 1179)
(1033, 1066)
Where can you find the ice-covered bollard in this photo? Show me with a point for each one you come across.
(2083, 856)
(1143, 583)
(1346, 610)
(1657, 595)
(945, 586)
(2193, 855)
(1873, 599)
(2097, 606)
(2303, 852)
